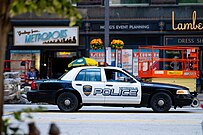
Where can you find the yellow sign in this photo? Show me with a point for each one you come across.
(174, 72)
(187, 26)
(64, 53)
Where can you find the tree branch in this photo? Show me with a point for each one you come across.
(5, 18)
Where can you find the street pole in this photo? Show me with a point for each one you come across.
(87, 47)
(106, 32)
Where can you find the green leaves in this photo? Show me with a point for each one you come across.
(17, 115)
(7, 125)
(62, 8)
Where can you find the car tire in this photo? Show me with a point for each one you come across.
(67, 102)
(161, 102)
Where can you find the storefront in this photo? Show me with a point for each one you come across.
(164, 27)
(48, 49)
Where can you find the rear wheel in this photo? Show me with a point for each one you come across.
(67, 102)
(161, 102)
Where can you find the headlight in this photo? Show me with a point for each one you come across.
(182, 92)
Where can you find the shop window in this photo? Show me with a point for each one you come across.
(190, 1)
(90, 2)
(129, 1)
(22, 60)
(163, 1)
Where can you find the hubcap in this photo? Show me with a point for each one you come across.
(160, 102)
(67, 102)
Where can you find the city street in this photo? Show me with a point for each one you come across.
(98, 120)
(143, 53)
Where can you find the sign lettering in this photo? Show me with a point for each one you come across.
(123, 91)
(46, 36)
(183, 40)
(187, 26)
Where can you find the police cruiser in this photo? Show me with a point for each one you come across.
(107, 86)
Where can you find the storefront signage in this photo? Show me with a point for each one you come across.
(65, 54)
(125, 26)
(193, 25)
(46, 36)
(184, 40)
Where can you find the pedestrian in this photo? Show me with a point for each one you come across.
(32, 74)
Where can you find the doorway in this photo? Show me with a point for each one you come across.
(59, 65)
(57, 62)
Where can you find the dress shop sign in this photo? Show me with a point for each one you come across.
(183, 40)
(46, 36)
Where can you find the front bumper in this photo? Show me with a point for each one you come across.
(183, 100)
(46, 96)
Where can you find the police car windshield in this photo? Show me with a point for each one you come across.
(64, 74)
(136, 77)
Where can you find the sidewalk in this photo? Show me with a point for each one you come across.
(200, 96)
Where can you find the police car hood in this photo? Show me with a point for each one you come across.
(163, 85)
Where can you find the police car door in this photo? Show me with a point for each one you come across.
(119, 89)
(86, 82)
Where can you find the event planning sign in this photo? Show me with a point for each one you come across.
(46, 36)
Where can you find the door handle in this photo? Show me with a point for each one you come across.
(78, 84)
(109, 85)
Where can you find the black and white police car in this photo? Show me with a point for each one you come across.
(107, 86)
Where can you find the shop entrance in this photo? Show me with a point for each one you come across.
(57, 62)
(59, 65)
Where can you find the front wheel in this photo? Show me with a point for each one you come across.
(67, 102)
(161, 102)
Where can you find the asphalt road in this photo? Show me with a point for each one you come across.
(114, 121)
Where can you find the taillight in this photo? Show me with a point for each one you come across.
(33, 85)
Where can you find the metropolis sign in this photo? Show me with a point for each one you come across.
(46, 36)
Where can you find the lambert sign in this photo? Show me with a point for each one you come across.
(46, 36)
(193, 25)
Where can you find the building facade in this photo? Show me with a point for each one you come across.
(137, 23)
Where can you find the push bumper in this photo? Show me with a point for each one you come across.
(183, 100)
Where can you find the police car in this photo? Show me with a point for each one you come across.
(107, 86)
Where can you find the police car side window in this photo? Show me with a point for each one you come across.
(115, 75)
(89, 75)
